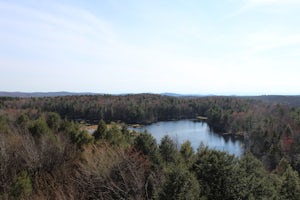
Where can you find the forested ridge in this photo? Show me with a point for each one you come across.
(45, 153)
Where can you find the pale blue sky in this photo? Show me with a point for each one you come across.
(183, 46)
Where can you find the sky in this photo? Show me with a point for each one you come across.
(221, 47)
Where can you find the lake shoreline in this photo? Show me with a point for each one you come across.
(197, 132)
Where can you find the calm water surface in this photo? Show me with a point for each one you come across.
(196, 133)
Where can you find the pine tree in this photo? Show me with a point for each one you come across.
(101, 131)
(180, 184)
(290, 188)
(168, 150)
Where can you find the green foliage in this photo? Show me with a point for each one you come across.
(146, 143)
(127, 134)
(77, 136)
(282, 166)
(115, 134)
(168, 150)
(254, 181)
(101, 131)
(216, 172)
(23, 120)
(295, 114)
(83, 138)
(187, 153)
(21, 186)
(39, 127)
(53, 121)
(4, 127)
(180, 184)
(290, 188)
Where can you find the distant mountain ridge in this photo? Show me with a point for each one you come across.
(183, 95)
(64, 93)
(291, 100)
(42, 94)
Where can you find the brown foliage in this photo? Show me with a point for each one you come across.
(113, 173)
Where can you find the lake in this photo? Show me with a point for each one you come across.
(196, 133)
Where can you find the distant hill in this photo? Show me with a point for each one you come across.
(172, 94)
(183, 95)
(291, 100)
(63, 93)
(41, 94)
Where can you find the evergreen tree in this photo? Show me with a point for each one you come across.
(101, 131)
(146, 143)
(168, 150)
(115, 136)
(281, 167)
(180, 184)
(217, 174)
(39, 127)
(53, 121)
(254, 181)
(187, 153)
(23, 120)
(290, 188)
(21, 186)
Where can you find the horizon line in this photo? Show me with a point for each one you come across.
(70, 93)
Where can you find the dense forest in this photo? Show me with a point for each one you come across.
(46, 154)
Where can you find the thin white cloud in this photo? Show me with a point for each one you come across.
(69, 30)
(66, 29)
(63, 35)
(84, 51)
